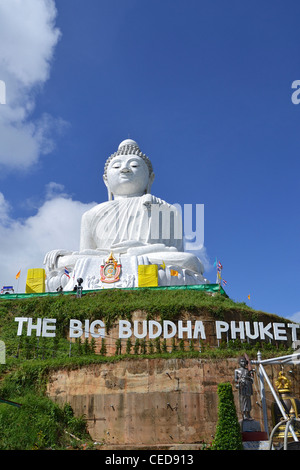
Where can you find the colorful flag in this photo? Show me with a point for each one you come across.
(219, 265)
(249, 296)
(173, 272)
(67, 273)
(35, 282)
(224, 282)
(147, 275)
(18, 275)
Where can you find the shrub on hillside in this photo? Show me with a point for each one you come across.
(228, 433)
(39, 424)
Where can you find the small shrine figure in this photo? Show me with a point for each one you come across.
(244, 379)
(283, 384)
(290, 403)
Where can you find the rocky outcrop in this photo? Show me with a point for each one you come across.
(149, 401)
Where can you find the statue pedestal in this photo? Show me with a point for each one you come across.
(121, 271)
(89, 269)
(250, 425)
(252, 436)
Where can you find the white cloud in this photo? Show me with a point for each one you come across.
(28, 37)
(23, 244)
(54, 190)
(295, 317)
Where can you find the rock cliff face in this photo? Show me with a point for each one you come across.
(149, 401)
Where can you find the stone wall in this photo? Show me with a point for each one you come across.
(150, 401)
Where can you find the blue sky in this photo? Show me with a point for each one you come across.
(204, 87)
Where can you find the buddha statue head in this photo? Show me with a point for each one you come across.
(128, 172)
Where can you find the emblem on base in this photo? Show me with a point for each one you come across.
(110, 270)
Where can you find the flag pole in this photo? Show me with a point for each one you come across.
(18, 278)
(219, 272)
(17, 287)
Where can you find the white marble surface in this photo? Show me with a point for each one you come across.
(134, 225)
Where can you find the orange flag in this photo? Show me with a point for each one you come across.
(18, 275)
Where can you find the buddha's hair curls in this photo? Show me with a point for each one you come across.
(128, 150)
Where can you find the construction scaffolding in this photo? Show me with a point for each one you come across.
(288, 421)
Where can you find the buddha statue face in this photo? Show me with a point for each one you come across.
(128, 174)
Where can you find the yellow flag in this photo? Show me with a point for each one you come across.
(173, 272)
(18, 275)
(249, 296)
(148, 275)
(35, 281)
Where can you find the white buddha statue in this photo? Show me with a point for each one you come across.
(133, 226)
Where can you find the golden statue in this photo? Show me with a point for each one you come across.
(290, 404)
(283, 384)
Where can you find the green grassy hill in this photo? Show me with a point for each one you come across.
(30, 359)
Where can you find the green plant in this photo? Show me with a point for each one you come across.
(151, 347)
(103, 349)
(157, 345)
(143, 346)
(228, 433)
(136, 346)
(93, 345)
(38, 424)
(128, 346)
(118, 347)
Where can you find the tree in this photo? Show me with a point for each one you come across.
(143, 347)
(128, 346)
(164, 346)
(103, 349)
(118, 347)
(136, 347)
(228, 433)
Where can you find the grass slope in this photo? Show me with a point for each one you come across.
(41, 424)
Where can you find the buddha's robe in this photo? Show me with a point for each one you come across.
(129, 225)
(130, 222)
(145, 229)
